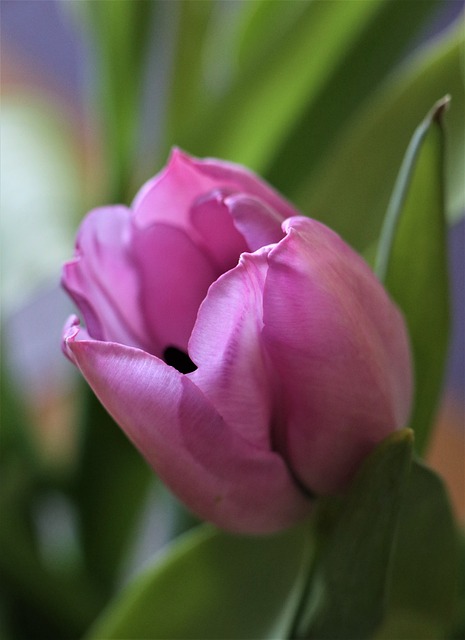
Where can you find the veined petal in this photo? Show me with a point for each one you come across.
(244, 181)
(102, 280)
(174, 277)
(258, 223)
(226, 347)
(218, 474)
(168, 196)
(219, 236)
(340, 348)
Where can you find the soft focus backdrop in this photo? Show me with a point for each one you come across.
(52, 173)
(54, 148)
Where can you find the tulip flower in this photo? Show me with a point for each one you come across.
(249, 353)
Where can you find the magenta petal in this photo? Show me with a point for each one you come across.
(220, 476)
(242, 180)
(226, 347)
(220, 238)
(168, 196)
(174, 276)
(102, 279)
(258, 223)
(340, 348)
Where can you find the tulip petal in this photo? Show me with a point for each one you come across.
(174, 276)
(168, 196)
(220, 476)
(226, 347)
(340, 349)
(244, 181)
(211, 219)
(259, 224)
(102, 280)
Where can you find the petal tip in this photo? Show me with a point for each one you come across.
(178, 155)
(70, 331)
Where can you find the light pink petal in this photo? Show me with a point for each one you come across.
(340, 348)
(167, 198)
(220, 476)
(211, 219)
(244, 181)
(258, 223)
(226, 347)
(169, 195)
(102, 280)
(174, 277)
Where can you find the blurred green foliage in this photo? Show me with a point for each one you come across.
(321, 98)
(413, 242)
(225, 586)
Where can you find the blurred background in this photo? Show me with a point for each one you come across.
(55, 144)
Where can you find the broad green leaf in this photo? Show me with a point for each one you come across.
(187, 95)
(422, 597)
(67, 603)
(360, 70)
(263, 24)
(412, 263)
(260, 108)
(347, 594)
(213, 585)
(351, 188)
(120, 32)
(110, 487)
(216, 44)
(61, 601)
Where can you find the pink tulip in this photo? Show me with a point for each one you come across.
(248, 352)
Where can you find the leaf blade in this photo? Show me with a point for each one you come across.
(413, 244)
(357, 173)
(424, 577)
(236, 128)
(366, 62)
(110, 485)
(347, 596)
(207, 588)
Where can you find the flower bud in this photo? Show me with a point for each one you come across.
(248, 352)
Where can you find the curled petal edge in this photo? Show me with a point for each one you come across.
(168, 195)
(211, 468)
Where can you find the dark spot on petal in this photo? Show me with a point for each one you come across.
(178, 359)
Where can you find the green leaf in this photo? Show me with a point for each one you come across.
(121, 32)
(53, 602)
(57, 601)
(214, 585)
(350, 190)
(412, 262)
(60, 601)
(360, 70)
(187, 91)
(111, 483)
(262, 26)
(422, 598)
(348, 588)
(258, 109)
